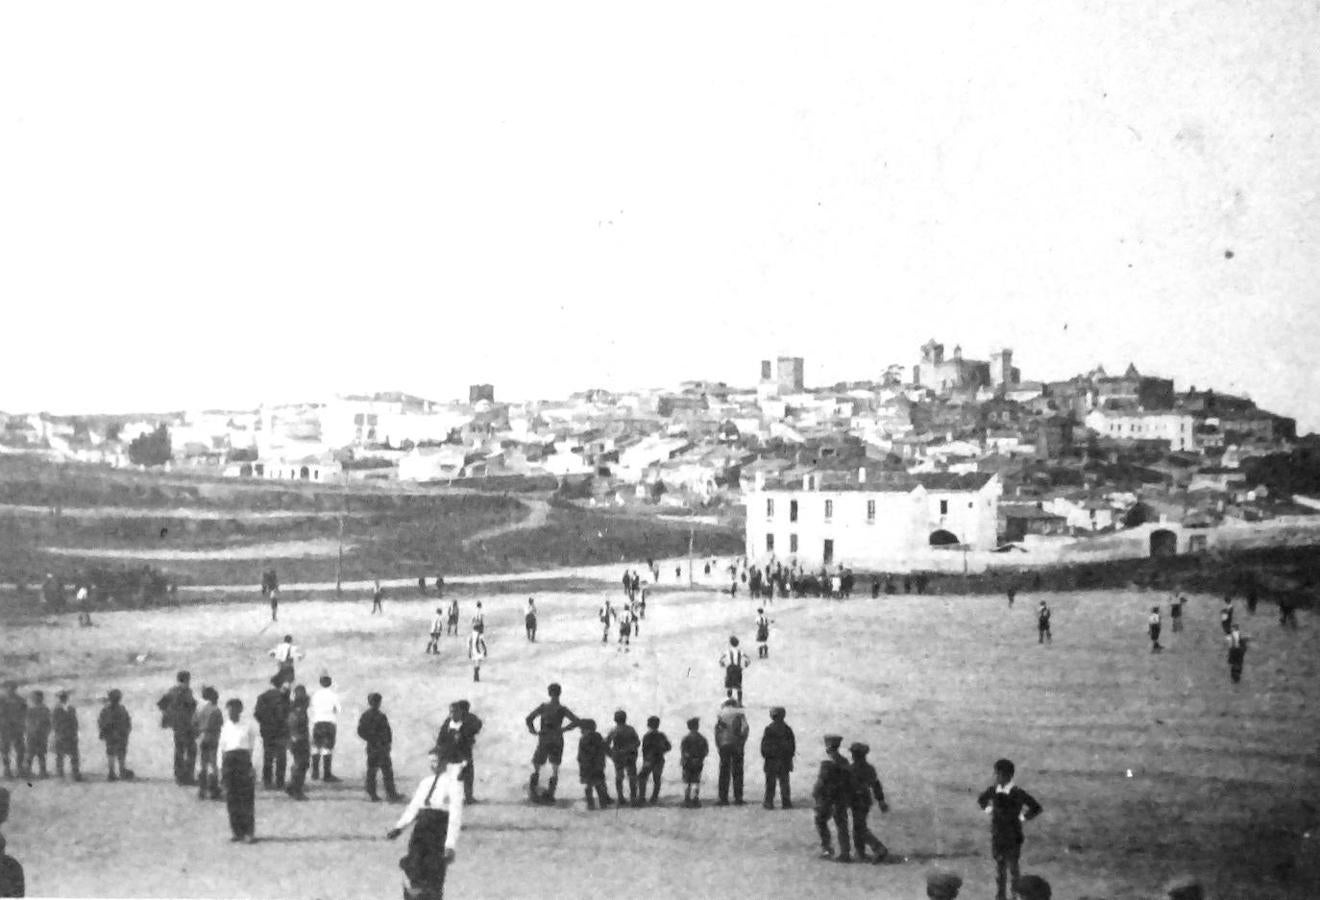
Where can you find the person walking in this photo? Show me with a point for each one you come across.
(654, 747)
(300, 743)
(324, 710)
(1153, 625)
(476, 651)
(64, 725)
(1226, 616)
(272, 716)
(733, 660)
(36, 733)
(13, 711)
(606, 615)
(374, 729)
(832, 795)
(377, 598)
(1008, 807)
(436, 814)
(113, 726)
(529, 620)
(625, 621)
(437, 629)
(286, 653)
(1237, 653)
(176, 713)
(866, 784)
(479, 620)
(623, 744)
(731, 733)
(238, 741)
(778, 747)
(552, 716)
(1043, 635)
(207, 724)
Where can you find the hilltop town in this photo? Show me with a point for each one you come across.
(949, 453)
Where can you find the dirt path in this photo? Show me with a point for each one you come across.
(540, 513)
(179, 512)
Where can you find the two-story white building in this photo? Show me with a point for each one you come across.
(1145, 425)
(831, 517)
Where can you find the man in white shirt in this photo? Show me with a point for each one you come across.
(437, 808)
(476, 652)
(324, 709)
(437, 629)
(238, 740)
(286, 653)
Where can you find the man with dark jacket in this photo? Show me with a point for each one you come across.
(623, 744)
(13, 712)
(300, 743)
(374, 728)
(114, 725)
(272, 715)
(731, 733)
(1008, 807)
(832, 795)
(176, 713)
(778, 747)
(460, 731)
(866, 783)
(591, 764)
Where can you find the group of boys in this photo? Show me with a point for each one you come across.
(26, 729)
(627, 618)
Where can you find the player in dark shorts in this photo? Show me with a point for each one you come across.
(549, 742)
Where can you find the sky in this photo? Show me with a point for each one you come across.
(211, 205)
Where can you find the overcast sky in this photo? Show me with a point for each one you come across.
(217, 204)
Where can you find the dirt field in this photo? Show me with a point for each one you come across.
(1222, 778)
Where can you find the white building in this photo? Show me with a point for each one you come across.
(831, 518)
(1142, 425)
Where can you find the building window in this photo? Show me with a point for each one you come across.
(769, 543)
(769, 508)
(792, 543)
(944, 507)
(792, 510)
(829, 510)
(870, 510)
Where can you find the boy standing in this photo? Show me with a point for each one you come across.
(625, 628)
(778, 747)
(437, 629)
(654, 747)
(692, 753)
(452, 622)
(324, 710)
(300, 743)
(37, 731)
(64, 723)
(623, 744)
(377, 596)
(1008, 807)
(591, 764)
(476, 650)
(866, 783)
(1043, 624)
(1153, 629)
(207, 723)
(114, 725)
(374, 728)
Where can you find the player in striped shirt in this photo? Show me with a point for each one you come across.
(437, 629)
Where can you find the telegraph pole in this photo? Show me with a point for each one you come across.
(691, 534)
(343, 507)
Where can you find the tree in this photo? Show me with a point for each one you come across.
(152, 448)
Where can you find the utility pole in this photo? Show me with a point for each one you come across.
(691, 534)
(343, 507)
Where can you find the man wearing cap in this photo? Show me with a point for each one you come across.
(437, 810)
(272, 715)
(238, 741)
(64, 724)
(549, 740)
(866, 783)
(941, 885)
(176, 713)
(13, 712)
(459, 732)
(374, 729)
(831, 794)
(778, 747)
(731, 734)
(114, 725)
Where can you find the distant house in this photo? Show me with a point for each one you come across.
(432, 463)
(1083, 512)
(315, 468)
(1142, 425)
(1017, 520)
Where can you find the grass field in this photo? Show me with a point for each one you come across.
(1222, 780)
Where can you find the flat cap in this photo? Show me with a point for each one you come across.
(859, 747)
(833, 740)
(942, 885)
(1033, 887)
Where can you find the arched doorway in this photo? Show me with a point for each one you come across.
(304, 473)
(1163, 542)
(942, 538)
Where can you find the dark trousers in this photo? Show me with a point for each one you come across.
(379, 761)
(863, 837)
(652, 770)
(1235, 660)
(1006, 868)
(839, 813)
(12, 742)
(626, 767)
(273, 761)
(596, 783)
(531, 631)
(240, 792)
(425, 863)
(469, 779)
(779, 777)
(36, 752)
(301, 751)
(731, 770)
(71, 751)
(208, 771)
(185, 757)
